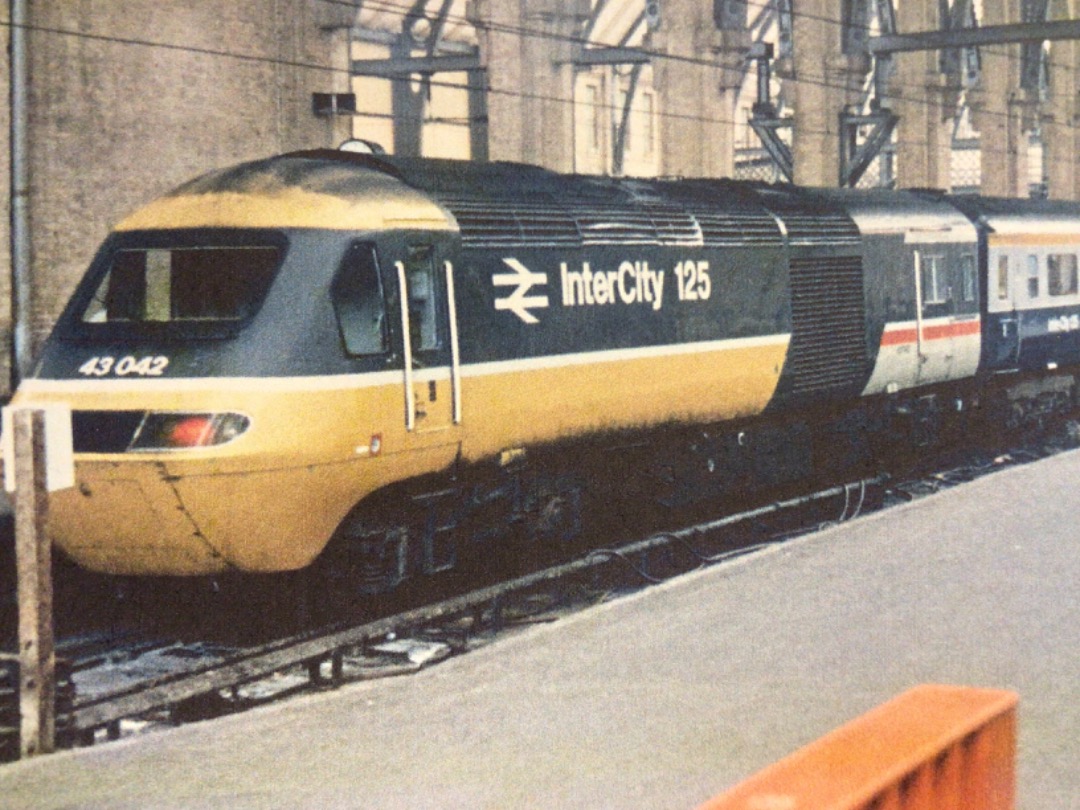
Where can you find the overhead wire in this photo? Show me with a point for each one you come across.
(897, 91)
(483, 25)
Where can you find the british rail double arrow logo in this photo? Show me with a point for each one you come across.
(519, 301)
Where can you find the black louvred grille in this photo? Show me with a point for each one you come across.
(614, 224)
(828, 347)
(723, 228)
(493, 224)
(821, 227)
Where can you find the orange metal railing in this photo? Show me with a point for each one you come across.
(930, 748)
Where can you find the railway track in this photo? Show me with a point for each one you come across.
(120, 686)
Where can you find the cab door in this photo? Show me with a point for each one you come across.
(426, 341)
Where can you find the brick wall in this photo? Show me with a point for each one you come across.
(131, 97)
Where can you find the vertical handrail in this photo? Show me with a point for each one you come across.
(455, 356)
(918, 309)
(406, 346)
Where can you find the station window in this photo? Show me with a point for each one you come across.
(1003, 278)
(967, 277)
(1061, 278)
(935, 283)
(1033, 276)
(358, 302)
(420, 278)
(648, 122)
(596, 117)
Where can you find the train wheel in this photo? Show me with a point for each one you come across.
(369, 554)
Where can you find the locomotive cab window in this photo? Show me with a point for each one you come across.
(199, 285)
(357, 296)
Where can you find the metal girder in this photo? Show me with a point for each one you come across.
(592, 19)
(618, 156)
(855, 25)
(960, 64)
(855, 157)
(886, 14)
(763, 118)
(730, 15)
(397, 67)
(975, 37)
(1032, 53)
(785, 22)
(589, 57)
(959, 15)
(767, 130)
(437, 27)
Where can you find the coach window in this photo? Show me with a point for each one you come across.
(1061, 274)
(358, 302)
(935, 281)
(967, 277)
(1003, 278)
(1033, 276)
(420, 276)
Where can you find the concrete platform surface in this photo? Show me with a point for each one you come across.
(664, 699)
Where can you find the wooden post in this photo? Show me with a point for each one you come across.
(33, 553)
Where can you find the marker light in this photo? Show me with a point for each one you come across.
(177, 431)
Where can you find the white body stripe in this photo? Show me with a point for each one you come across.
(333, 382)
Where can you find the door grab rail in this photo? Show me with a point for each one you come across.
(455, 356)
(406, 347)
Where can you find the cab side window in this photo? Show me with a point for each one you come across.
(421, 282)
(359, 305)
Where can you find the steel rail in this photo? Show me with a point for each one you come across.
(106, 710)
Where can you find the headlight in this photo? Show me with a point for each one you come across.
(174, 431)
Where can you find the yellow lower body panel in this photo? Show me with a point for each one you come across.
(261, 521)
(272, 499)
(503, 408)
(129, 523)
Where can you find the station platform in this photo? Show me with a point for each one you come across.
(668, 697)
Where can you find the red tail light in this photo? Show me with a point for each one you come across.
(177, 431)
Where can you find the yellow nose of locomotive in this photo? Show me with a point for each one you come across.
(166, 488)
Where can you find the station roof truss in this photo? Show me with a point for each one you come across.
(869, 27)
